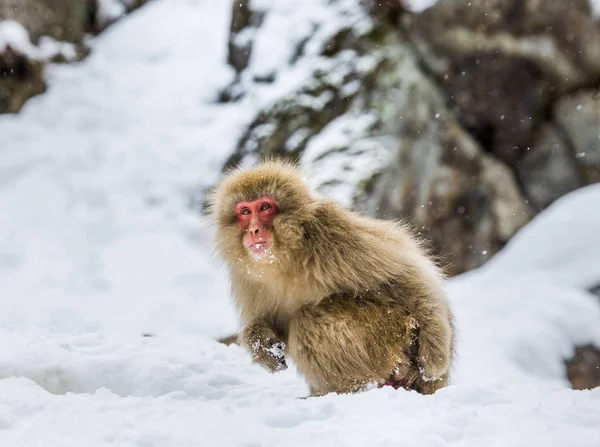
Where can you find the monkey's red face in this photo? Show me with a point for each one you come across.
(256, 219)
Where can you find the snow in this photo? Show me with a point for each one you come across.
(339, 157)
(13, 34)
(595, 7)
(110, 10)
(98, 175)
(419, 5)
(100, 243)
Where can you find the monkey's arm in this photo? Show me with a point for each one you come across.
(266, 348)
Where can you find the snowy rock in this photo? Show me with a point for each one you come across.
(243, 24)
(314, 76)
(373, 131)
(20, 79)
(34, 32)
(392, 108)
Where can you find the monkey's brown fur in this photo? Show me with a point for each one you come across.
(353, 301)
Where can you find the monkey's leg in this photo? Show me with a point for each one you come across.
(344, 344)
(413, 378)
(435, 349)
(265, 347)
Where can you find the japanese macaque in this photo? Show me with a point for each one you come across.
(354, 302)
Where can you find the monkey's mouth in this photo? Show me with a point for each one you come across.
(260, 249)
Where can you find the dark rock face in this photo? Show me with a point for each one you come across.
(504, 63)
(20, 79)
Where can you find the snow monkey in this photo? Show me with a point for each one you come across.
(354, 302)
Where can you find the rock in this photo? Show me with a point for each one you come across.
(390, 10)
(284, 127)
(548, 169)
(66, 20)
(578, 116)
(41, 31)
(503, 63)
(240, 33)
(63, 20)
(20, 79)
(583, 370)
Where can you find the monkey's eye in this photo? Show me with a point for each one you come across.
(265, 207)
(245, 211)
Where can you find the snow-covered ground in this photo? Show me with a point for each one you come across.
(99, 245)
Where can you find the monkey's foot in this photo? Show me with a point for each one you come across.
(397, 383)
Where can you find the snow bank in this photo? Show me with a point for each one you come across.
(100, 243)
(524, 310)
(96, 390)
(560, 243)
(97, 178)
(461, 415)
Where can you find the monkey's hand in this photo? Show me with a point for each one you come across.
(266, 349)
